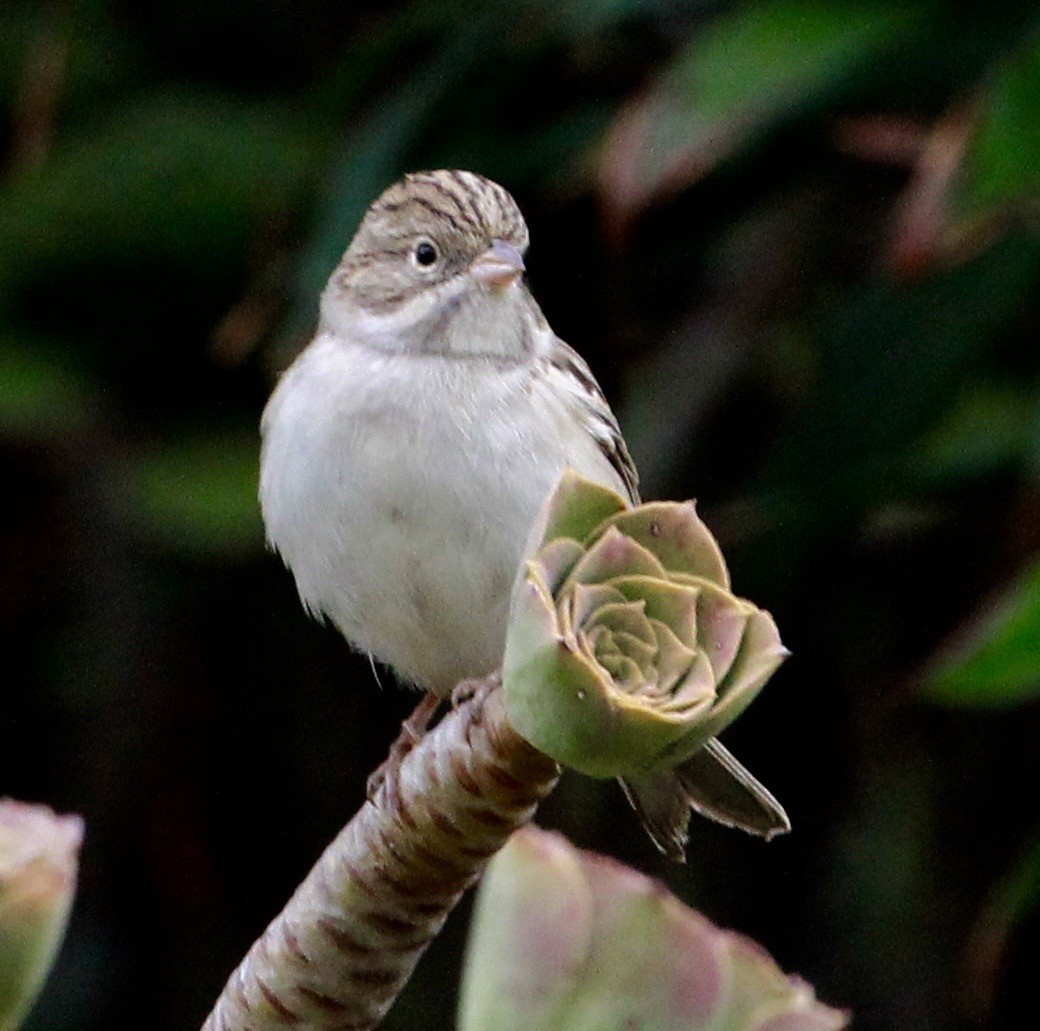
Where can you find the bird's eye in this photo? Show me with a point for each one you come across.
(425, 254)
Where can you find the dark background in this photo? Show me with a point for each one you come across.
(795, 242)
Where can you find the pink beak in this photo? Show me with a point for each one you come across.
(500, 265)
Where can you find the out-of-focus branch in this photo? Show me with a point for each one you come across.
(347, 941)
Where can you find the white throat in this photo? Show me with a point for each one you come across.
(459, 318)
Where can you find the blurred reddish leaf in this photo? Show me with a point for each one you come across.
(1011, 900)
(887, 139)
(920, 229)
(977, 174)
(745, 71)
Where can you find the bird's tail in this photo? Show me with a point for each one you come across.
(712, 783)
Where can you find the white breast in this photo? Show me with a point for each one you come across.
(400, 489)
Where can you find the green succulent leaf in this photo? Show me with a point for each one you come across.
(577, 506)
(674, 604)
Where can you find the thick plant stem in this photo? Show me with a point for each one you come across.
(347, 941)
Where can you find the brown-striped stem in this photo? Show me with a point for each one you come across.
(347, 941)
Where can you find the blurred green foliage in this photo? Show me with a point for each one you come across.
(1002, 171)
(1000, 663)
(797, 243)
(200, 494)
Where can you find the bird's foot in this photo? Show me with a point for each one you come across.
(387, 777)
(475, 692)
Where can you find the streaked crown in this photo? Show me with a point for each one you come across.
(468, 202)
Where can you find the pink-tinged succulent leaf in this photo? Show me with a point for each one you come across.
(615, 554)
(557, 559)
(567, 940)
(760, 656)
(530, 937)
(697, 977)
(696, 692)
(764, 998)
(533, 620)
(574, 509)
(635, 978)
(675, 535)
(38, 864)
(721, 625)
(810, 1015)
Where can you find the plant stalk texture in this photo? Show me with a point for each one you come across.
(347, 941)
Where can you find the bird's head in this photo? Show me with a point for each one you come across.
(436, 266)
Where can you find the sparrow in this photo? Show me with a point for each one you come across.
(408, 449)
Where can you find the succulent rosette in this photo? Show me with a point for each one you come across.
(38, 862)
(627, 649)
(564, 939)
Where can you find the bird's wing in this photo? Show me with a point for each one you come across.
(594, 411)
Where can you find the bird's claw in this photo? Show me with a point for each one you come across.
(475, 692)
(387, 776)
